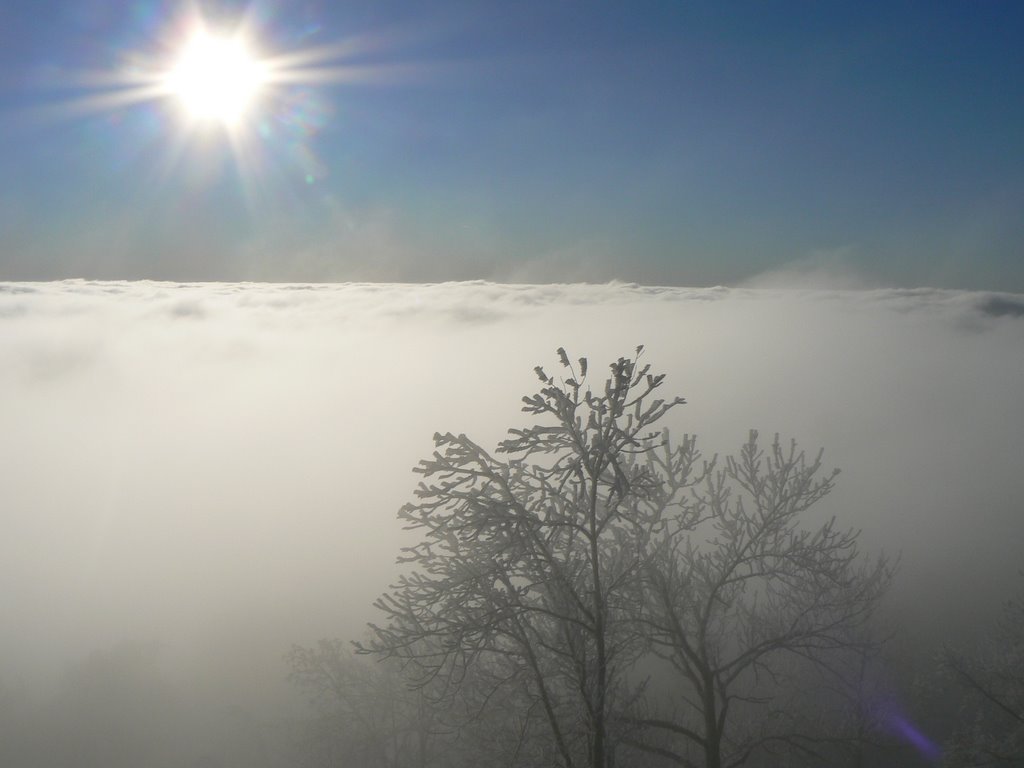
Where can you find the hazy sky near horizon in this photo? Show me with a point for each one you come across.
(682, 143)
(217, 467)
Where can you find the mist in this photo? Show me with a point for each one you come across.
(213, 470)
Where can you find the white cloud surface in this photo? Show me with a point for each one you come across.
(201, 463)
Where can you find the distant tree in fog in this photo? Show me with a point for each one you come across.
(117, 708)
(112, 709)
(992, 677)
(15, 723)
(365, 713)
(562, 570)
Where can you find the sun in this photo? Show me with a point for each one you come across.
(231, 86)
(217, 79)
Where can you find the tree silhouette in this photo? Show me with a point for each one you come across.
(589, 545)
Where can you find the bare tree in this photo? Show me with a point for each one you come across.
(592, 546)
(739, 596)
(527, 560)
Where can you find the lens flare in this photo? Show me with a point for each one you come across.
(892, 721)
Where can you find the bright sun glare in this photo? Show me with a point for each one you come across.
(219, 81)
(216, 78)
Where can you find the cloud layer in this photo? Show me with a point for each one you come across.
(218, 465)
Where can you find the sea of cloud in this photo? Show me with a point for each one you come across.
(217, 466)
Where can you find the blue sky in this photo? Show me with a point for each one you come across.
(676, 143)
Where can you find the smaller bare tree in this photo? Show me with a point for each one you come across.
(739, 596)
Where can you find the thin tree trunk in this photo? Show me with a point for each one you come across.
(712, 735)
(598, 755)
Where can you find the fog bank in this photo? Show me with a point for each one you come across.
(217, 466)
